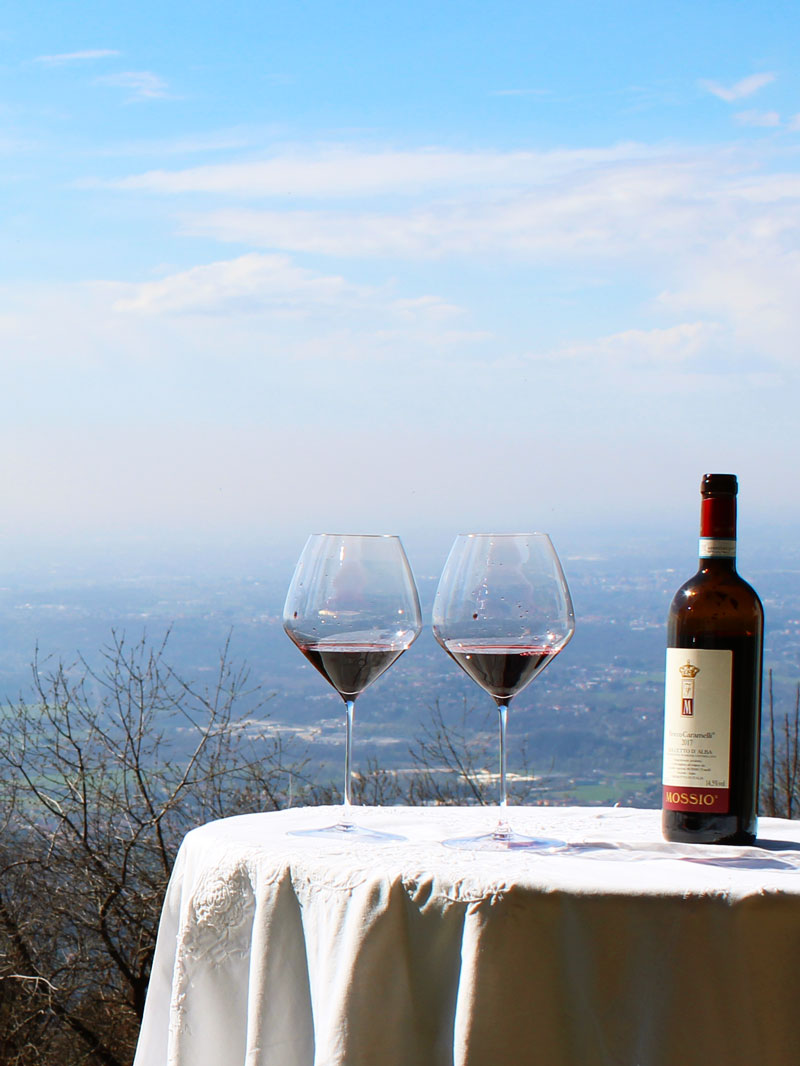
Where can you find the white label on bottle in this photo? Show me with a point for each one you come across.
(712, 548)
(697, 730)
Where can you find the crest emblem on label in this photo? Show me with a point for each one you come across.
(688, 673)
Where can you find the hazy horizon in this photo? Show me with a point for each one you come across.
(43, 559)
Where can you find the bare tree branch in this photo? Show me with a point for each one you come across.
(102, 773)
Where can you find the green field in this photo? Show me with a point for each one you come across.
(636, 791)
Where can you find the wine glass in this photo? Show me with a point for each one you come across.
(503, 612)
(352, 609)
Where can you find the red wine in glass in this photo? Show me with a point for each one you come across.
(350, 668)
(500, 670)
(502, 612)
(352, 609)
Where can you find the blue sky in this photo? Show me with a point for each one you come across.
(270, 268)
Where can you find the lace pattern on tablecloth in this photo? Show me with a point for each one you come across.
(221, 915)
(216, 926)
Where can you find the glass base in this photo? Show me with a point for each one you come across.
(347, 831)
(503, 839)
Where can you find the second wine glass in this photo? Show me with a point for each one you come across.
(352, 609)
(502, 611)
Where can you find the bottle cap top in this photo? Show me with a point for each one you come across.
(719, 485)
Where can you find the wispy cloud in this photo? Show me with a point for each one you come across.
(521, 92)
(765, 119)
(77, 57)
(271, 284)
(748, 281)
(248, 283)
(11, 146)
(224, 140)
(525, 205)
(341, 171)
(693, 222)
(702, 227)
(143, 84)
(656, 348)
(740, 89)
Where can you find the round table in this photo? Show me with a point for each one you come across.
(617, 949)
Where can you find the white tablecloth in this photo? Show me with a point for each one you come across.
(619, 950)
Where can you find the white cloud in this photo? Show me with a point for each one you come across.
(143, 84)
(341, 171)
(359, 234)
(433, 306)
(764, 188)
(249, 283)
(751, 286)
(73, 57)
(224, 140)
(692, 225)
(758, 118)
(10, 146)
(521, 92)
(273, 285)
(254, 311)
(746, 87)
(656, 348)
(614, 208)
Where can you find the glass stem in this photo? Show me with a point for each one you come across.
(502, 825)
(347, 806)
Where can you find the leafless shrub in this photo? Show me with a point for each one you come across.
(780, 769)
(101, 774)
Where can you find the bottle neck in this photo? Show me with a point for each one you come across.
(718, 531)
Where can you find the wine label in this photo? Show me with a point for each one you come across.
(697, 730)
(713, 548)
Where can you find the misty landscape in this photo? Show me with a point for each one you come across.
(588, 730)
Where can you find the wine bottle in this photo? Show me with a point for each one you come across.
(712, 721)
